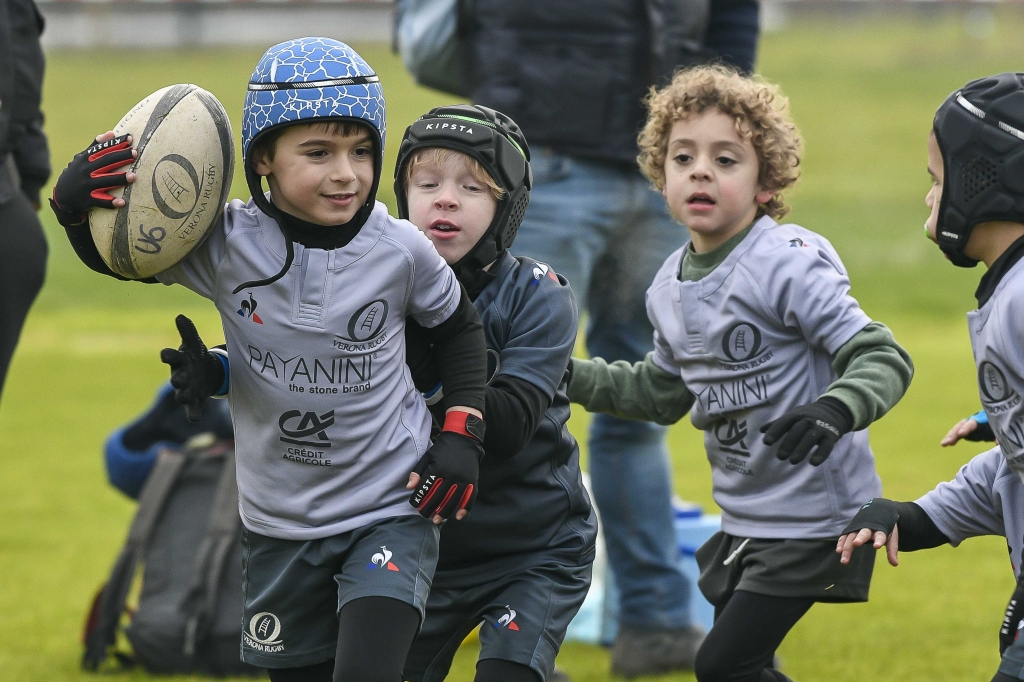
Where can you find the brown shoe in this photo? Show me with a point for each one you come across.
(649, 652)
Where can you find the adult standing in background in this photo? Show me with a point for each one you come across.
(574, 74)
(24, 169)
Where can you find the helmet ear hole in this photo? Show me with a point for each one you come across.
(515, 218)
(978, 175)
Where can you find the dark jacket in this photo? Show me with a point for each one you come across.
(24, 156)
(573, 73)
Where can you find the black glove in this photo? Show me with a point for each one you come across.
(983, 432)
(1013, 619)
(195, 373)
(877, 514)
(84, 183)
(449, 473)
(821, 423)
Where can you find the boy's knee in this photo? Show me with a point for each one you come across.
(713, 665)
(709, 668)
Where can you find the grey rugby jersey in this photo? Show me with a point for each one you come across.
(996, 337)
(327, 421)
(752, 340)
(985, 498)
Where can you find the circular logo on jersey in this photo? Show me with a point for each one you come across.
(175, 186)
(992, 382)
(741, 342)
(264, 628)
(368, 322)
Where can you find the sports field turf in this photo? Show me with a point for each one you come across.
(863, 91)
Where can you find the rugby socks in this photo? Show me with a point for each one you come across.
(374, 638)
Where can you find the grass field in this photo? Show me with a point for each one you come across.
(863, 91)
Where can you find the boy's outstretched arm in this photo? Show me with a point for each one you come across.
(896, 525)
(641, 390)
(874, 374)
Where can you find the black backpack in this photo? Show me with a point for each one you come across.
(185, 537)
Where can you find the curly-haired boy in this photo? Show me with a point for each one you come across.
(756, 331)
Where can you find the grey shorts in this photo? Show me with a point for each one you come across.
(294, 589)
(782, 568)
(523, 614)
(1012, 663)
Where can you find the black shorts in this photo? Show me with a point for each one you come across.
(523, 612)
(294, 589)
(782, 568)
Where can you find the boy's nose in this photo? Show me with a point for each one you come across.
(700, 170)
(342, 172)
(446, 202)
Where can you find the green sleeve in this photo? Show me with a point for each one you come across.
(632, 391)
(874, 373)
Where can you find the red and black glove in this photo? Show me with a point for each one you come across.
(84, 183)
(450, 470)
(196, 373)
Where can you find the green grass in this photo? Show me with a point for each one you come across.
(863, 90)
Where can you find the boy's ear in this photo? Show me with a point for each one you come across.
(764, 196)
(260, 163)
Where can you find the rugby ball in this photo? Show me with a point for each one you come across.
(186, 156)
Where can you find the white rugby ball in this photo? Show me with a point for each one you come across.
(184, 166)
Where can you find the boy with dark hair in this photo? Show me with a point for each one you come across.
(976, 161)
(314, 282)
(521, 562)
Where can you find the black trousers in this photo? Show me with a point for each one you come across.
(748, 629)
(22, 270)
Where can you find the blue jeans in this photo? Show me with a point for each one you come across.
(603, 228)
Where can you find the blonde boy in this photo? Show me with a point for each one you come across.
(521, 562)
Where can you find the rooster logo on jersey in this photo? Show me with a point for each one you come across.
(539, 270)
(381, 559)
(248, 309)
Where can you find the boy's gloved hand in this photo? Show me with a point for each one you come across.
(446, 477)
(1013, 619)
(821, 423)
(875, 522)
(975, 428)
(196, 373)
(85, 181)
(878, 514)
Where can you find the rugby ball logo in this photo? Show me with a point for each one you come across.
(265, 628)
(368, 322)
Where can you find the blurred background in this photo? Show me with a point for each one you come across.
(863, 78)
